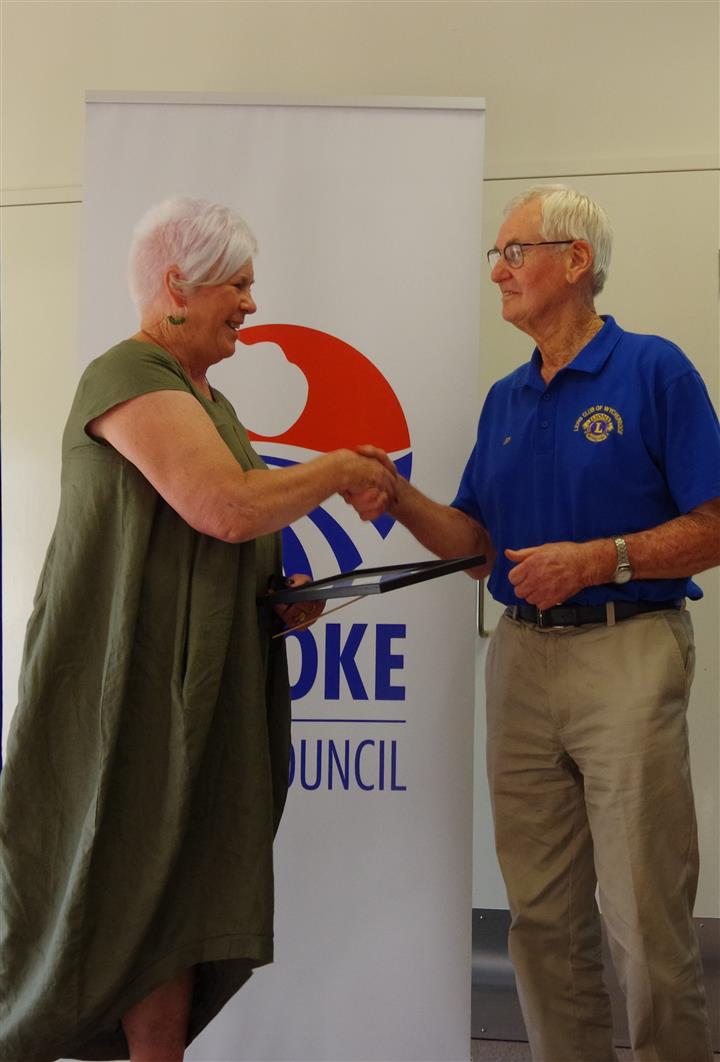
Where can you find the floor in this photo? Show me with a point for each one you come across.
(507, 1051)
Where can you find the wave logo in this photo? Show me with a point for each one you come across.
(349, 402)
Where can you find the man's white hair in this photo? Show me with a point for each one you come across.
(207, 242)
(567, 213)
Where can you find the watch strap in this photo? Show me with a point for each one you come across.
(623, 560)
(623, 570)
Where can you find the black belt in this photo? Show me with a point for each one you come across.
(579, 615)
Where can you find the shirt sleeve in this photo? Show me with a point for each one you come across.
(466, 498)
(691, 442)
(126, 371)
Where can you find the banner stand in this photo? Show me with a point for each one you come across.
(367, 214)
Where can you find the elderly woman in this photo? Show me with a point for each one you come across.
(148, 761)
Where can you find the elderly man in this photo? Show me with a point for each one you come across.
(594, 490)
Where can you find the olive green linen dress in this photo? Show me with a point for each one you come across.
(147, 763)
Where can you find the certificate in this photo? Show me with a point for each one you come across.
(365, 581)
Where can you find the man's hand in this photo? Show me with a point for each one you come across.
(368, 504)
(550, 574)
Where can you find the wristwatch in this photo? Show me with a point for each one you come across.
(623, 572)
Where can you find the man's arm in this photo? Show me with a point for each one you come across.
(445, 531)
(684, 546)
(549, 574)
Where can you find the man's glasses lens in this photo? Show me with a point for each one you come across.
(513, 255)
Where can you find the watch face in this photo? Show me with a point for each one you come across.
(623, 575)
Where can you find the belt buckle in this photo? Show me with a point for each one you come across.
(551, 626)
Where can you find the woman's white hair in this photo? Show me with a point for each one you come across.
(567, 213)
(207, 242)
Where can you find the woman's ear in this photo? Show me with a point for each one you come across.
(171, 278)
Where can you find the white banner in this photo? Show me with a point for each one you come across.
(368, 220)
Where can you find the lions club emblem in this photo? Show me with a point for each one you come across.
(597, 427)
(598, 422)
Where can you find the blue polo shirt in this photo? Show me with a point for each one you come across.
(622, 439)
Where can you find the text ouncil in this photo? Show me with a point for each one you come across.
(325, 763)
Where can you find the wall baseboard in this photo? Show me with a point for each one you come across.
(496, 1011)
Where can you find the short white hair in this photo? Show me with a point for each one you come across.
(208, 243)
(567, 213)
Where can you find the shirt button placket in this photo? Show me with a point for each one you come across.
(545, 434)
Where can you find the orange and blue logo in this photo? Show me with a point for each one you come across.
(349, 402)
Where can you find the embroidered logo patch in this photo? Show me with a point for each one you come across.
(598, 422)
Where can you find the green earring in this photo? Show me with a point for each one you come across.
(175, 320)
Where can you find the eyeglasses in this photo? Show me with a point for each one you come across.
(513, 252)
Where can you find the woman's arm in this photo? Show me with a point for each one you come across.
(168, 436)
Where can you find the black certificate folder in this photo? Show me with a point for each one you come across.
(365, 581)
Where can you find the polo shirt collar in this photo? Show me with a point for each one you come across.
(590, 359)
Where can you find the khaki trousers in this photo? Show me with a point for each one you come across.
(590, 783)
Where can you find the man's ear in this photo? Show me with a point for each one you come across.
(581, 261)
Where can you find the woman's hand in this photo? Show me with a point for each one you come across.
(367, 450)
(300, 613)
(370, 502)
(369, 469)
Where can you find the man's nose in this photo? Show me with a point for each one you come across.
(500, 271)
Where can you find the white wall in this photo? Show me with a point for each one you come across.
(620, 99)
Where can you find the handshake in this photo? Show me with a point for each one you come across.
(373, 483)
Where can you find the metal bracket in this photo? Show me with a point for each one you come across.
(482, 632)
